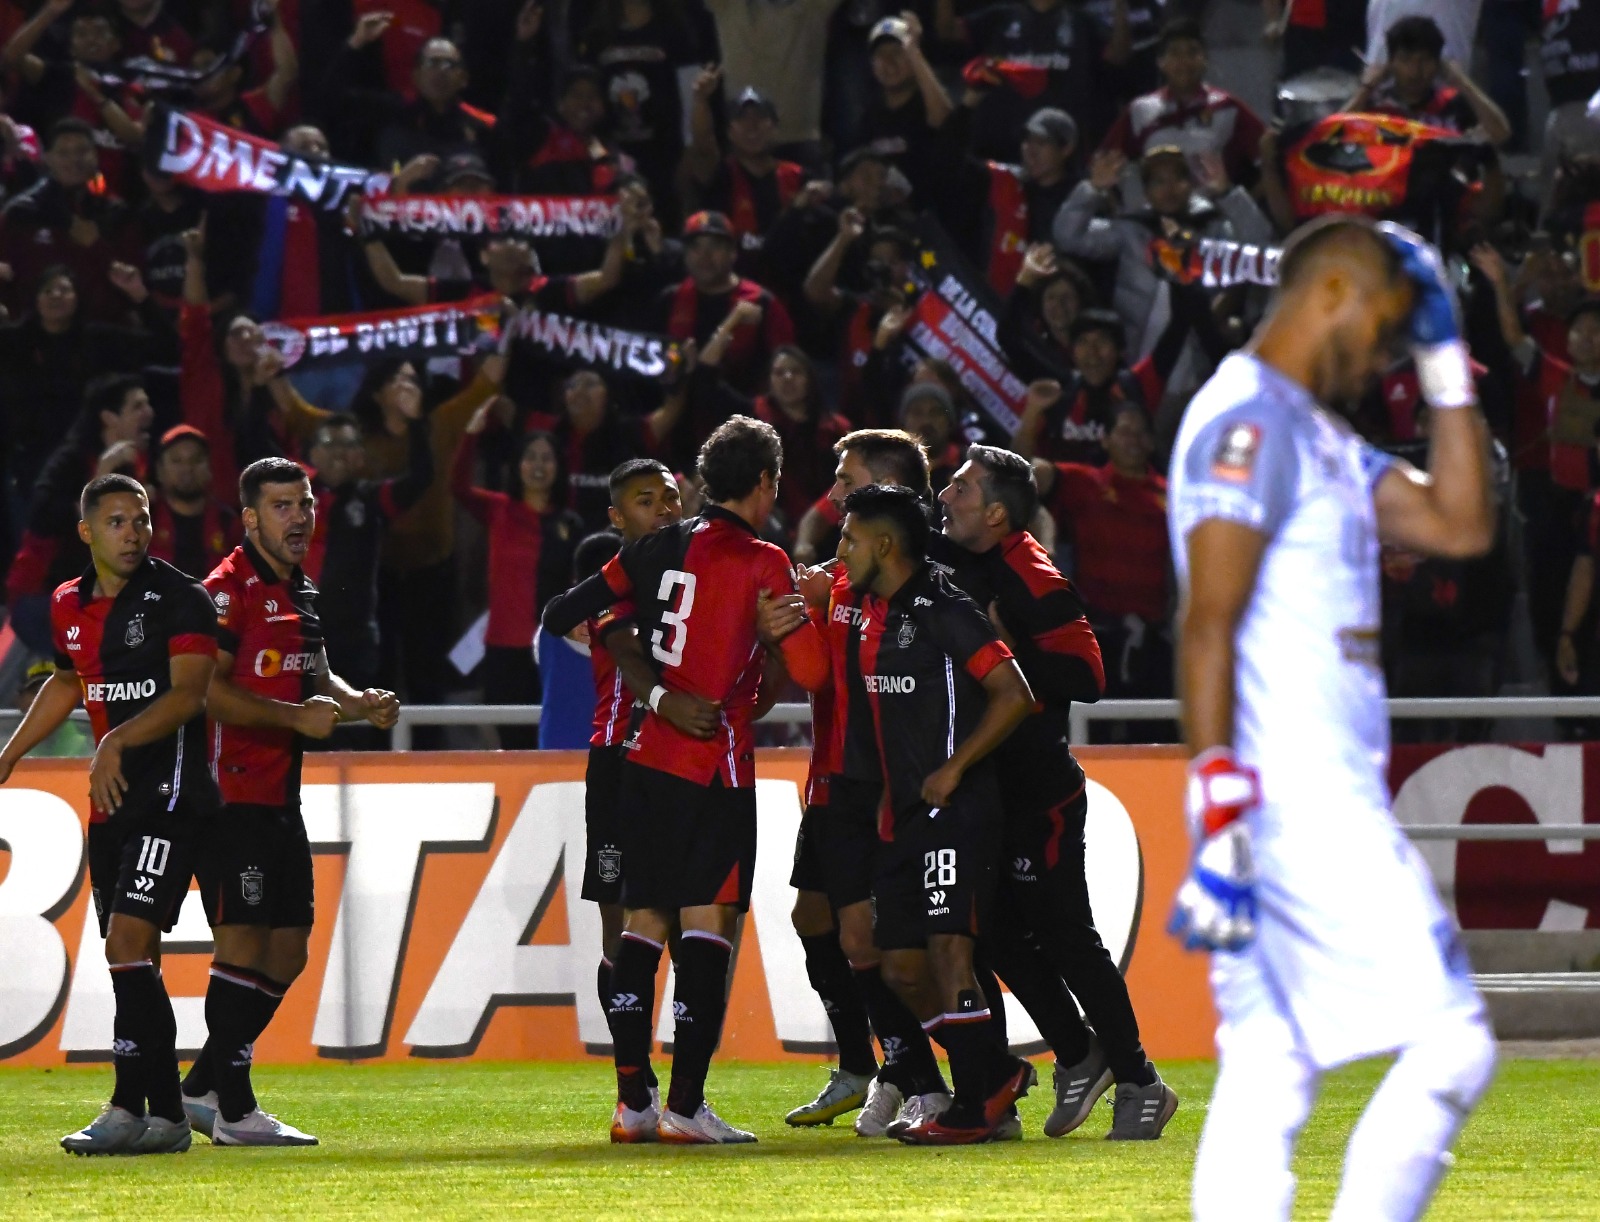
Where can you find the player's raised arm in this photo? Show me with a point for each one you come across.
(1449, 509)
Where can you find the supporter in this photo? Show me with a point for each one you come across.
(928, 410)
(1407, 83)
(1188, 112)
(593, 436)
(189, 527)
(1049, 295)
(262, 110)
(1115, 517)
(146, 28)
(398, 28)
(353, 516)
(804, 233)
(1140, 72)
(1141, 298)
(996, 211)
(51, 353)
(531, 545)
(1456, 20)
(1577, 657)
(751, 186)
(1569, 50)
(792, 403)
(779, 49)
(1034, 53)
(648, 54)
(909, 104)
(60, 220)
(560, 153)
(170, 209)
(1317, 34)
(111, 434)
(51, 88)
(707, 301)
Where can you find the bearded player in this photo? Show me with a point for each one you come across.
(1330, 943)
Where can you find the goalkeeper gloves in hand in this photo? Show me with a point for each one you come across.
(1216, 905)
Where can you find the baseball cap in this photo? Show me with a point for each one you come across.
(463, 167)
(930, 390)
(751, 96)
(1053, 124)
(1163, 152)
(707, 225)
(889, 27)
(37, 674)
(181, 432)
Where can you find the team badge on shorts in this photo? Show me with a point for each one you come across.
(609, 862)
(908, 633)
(250, 886)
(135, 634)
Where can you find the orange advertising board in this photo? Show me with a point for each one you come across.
(446, 926)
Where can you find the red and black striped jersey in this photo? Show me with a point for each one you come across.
(270, 626)
(121, 650)
(920, 659)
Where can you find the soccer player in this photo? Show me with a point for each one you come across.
(138, 641)
(1045, 896)
(688, 804)
(1331, 943)
(272, 691)
(837, 845)
(941, 692)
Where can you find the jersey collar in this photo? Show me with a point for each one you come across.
(716, 513)
(138, 579)
(265, 571)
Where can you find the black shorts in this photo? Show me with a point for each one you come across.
(254, 867)
(938, 875)
(602, 785)
(686, 845)
(140, 864)
(1043, 837)
(838, 844)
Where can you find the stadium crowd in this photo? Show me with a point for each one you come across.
(1037, 224)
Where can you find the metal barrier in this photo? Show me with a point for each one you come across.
(1401, 709)
(526, 715)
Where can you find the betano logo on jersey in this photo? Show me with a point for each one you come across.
(891, 685)
(105, 693)
(270, 663)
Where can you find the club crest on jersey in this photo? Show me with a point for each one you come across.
(134, 637)
(1235, 458)
(250, 886)
(908, 633)
(609, 862)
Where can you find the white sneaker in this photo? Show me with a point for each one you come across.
(163, 1136)
(629, 1126)
(918, 1109)
(884, 1100)
(258, 1129)
(114, 1131)
(201, 1111)
(705, 1129)
(844, 1093)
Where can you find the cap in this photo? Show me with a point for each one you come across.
(889, 27)
(1053, 124)
(929, 390)
(181, 432)
(464, 166)
(38, 673)
(707, 225)
(1163, 152)
(751, 96)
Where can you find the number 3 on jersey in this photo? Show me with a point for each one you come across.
(674, 621)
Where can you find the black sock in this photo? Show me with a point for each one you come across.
(630, 1005)
(231, 1003)
(700, 1004)
(146, 1032)
(602, 988)
(1044, 995)
(969, 1040)
(990, 995)
(830, 975)
(198, 1081)
(908, 1060)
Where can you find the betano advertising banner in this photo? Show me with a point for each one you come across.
(446, 928)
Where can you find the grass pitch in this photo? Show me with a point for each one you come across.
(472, 1140)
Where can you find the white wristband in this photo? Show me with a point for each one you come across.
(1444, 375)
(655, 698)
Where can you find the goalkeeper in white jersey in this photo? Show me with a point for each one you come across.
(1330, 943)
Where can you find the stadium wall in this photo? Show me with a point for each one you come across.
(446, 928)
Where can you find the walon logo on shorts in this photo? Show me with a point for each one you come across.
(939, 908)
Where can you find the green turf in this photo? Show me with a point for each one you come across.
(460, 1140)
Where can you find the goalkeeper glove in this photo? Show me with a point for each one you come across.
(1216, 905)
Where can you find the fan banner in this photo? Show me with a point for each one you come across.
(538, 218)
(447, 329)
(214, 157)
(1214, 263)
(576, 343)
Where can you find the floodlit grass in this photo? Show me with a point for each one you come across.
(475, 1140)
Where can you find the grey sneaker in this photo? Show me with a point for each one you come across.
(844, 1093)
(258, 1129)
(114, 1131)
(884, 1100)
(1078, 1088)
(919, 1108)
(1009, 1128)
(163, 1136)
(1139, 1113)
(201, 1111)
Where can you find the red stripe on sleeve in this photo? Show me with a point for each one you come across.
(616, 577)
(196, 643)
(986, 659)
(1075, 639)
